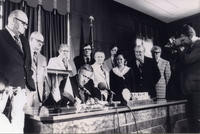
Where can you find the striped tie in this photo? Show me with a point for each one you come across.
(17, 40)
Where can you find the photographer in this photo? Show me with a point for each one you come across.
(189, 47)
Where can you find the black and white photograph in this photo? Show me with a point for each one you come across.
(99, 66)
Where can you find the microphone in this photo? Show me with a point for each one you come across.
(126, 94)
(102, 86)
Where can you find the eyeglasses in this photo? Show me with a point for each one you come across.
(24, 23)
(156, 52)
(87, 49)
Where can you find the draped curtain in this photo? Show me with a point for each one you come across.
(54, 29)
(53, 21)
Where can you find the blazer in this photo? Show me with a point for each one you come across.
(56, 63)
(146, 81)
(79, 61)
(108, 64)
(40, 77)
(15, 64)
(165, 72)
(99, 76)
(190, 73)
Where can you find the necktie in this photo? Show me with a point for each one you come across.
(104, 73)
(65, 62)
(140, 66)
(17, 40)
(87, 60)
(35, 58)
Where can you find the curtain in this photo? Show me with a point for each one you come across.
(54, 29)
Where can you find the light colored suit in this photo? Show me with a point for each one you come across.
(165, 71)
(40, 79)
(57, 63)
(100, 76)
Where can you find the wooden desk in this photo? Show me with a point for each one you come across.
(152, 118)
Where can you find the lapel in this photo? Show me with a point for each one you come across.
(160, 63)
(12, 42)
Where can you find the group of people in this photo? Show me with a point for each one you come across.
(115, 74)
(24, 77)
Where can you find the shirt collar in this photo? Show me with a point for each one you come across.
(10, 31)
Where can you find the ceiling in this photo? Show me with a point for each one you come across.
(165, 10)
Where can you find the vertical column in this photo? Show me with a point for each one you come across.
(1, 14)
(69, 42)
(39, 16)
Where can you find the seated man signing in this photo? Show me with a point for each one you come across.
(86, 88)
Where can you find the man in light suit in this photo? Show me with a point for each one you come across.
(165, 72)
(101, 75)
(62, 92)
(39, 67)
(190, 74)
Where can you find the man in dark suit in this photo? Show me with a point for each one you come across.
(190, 73)
(15, 57)
(85, 57)
(146, 72)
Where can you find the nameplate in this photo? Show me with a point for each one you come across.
(58, 72)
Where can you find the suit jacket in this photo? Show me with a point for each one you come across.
(99, 76)
(165, 72)
(56, 63)
(190, 73)
(108, 64)
(15, 64)
(79, 61)
(40, 77)
(146, 81)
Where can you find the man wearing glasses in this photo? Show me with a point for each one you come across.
(39, 67)
(165, 72)
(85, 57)
(15, 57)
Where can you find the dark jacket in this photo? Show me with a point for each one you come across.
(15, 64)
(190, 72)
(146, 81)
(79, 61)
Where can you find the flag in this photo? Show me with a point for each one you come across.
(82, 41)
(68, 91)
(91, 33)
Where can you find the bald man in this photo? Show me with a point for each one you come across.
(15, 57)
(39, 68)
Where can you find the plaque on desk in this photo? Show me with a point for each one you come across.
(58, 71)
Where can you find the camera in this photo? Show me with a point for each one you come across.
(174, 42)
